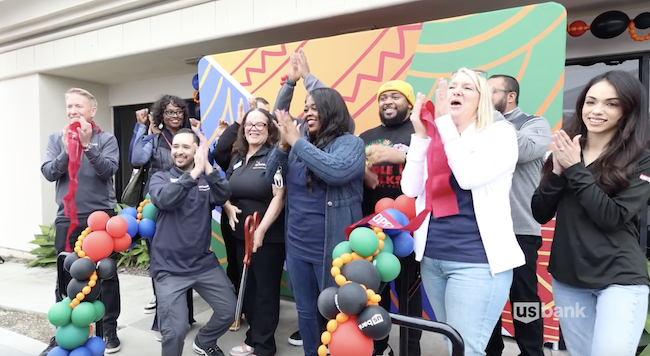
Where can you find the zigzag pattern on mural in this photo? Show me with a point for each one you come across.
(262, 70)
(382, 58)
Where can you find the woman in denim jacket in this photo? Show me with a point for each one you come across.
(322, 169)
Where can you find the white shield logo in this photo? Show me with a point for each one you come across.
(526, 312)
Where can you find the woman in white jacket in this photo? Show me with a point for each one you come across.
(466, 245)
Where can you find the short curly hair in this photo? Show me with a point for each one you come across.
(158, 108)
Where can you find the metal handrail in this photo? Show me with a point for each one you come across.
(457, 343)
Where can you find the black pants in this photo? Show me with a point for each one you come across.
(262, 295)
(110, 294)
(189, 297)
(233, 270)
(529, 337)
(408, 275)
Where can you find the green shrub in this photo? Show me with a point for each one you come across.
(45, 252)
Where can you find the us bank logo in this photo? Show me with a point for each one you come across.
(527, 312)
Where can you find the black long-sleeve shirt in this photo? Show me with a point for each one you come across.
(596, 241)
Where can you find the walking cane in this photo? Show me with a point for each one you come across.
(250, 225)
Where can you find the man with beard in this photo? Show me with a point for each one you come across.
(386, 147)
(180, 249)
(534, 138)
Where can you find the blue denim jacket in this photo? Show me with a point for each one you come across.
(341, 166)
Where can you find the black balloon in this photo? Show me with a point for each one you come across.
(642, 21)
(374, 322)
(351, 299)
(362, 272)
(326, 303)
(106, 268)
(82, 268)
(76, 286)
(69, 260)
(609, 24)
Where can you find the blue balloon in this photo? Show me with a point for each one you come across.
(133, 224)
(402, 244)
(129, 210)
(96, 345)
(195, 82)
(147, 228)
(399, 217)
(58, 351)
(81, 351)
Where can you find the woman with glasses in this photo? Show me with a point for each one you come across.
(150, 149)
(244, 149)
(466, 246)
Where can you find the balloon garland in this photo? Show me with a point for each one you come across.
(611, 24)
(195, 85)
(359, 266)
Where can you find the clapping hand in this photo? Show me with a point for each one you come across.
(289, 130)
(566, 151)
(85, 131)
(416, 119)
(195, 125)
(443, 102)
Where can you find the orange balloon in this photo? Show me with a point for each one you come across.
(383, 204)
(98, 245)
(97, 220)
(117, 226)
(348, 340)
(406, 205)
(122, 243)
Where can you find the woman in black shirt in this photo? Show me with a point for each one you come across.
(596, 180)
(244, 149)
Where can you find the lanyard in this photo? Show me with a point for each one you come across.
(166, 140)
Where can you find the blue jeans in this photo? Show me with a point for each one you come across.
(466, 297)
(305, 279)
(601, 322)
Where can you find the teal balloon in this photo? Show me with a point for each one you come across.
(341, 248)
(60, 314)
(148, 197)
(100, 309)
(83, 314)
(388, 245)
(364, 241)
(70, 337)
(149, 211)
(387, 265)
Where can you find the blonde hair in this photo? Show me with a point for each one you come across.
(485, 110)
(83, 92)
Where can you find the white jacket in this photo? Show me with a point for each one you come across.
(484, 163)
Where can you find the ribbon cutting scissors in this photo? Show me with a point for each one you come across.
(250, 226)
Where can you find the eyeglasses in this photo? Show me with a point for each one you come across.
(258, 125)
(173, 113)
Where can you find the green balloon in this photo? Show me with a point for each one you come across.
(149, 211)
(70, 337)
(364, 241)
(341, 248)
(83, 314)
(100, 309)
(388, 245)
(60, 313)
(387, 265)
(148, 197)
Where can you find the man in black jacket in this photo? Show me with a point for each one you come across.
(180, 250)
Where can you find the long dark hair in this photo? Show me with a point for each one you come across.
(619, 159)
(334, 118)
(240, 147)
(158, 108)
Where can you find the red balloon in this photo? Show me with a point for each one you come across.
(122, 243)
(117, 226)
(406, 205)
(97, 245)
(348, 340)
(97, 220)
(384, 204)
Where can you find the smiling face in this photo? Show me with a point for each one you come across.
(183, 150)
(311, 116)
(602, 109)
(464, 98)
(256, 128)
(78, 106)
(173, 116)
(393, 108)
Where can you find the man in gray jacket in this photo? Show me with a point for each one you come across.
(98, 165)
(534, 138)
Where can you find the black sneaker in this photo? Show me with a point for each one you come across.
(112, 342)
(206, 350)
(49, 347)
(295, 339)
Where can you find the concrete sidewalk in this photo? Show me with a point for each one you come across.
(32, 289)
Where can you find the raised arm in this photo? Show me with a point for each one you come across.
(533, 139)
(344, 163)
(547, 196)
(481, 159)
(104, 157)
(141, 146)
(223, 150)
(55, 164)
(167, 195)
(413, 175)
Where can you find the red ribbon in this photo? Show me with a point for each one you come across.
(74, 163)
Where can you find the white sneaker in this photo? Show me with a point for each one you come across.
(158, 336)
(151, 307)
